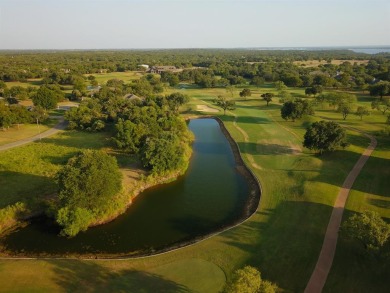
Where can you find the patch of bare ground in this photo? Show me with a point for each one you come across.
(205, 108)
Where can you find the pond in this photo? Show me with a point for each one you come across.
(210, 197)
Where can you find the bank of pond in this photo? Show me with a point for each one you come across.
(216, 192)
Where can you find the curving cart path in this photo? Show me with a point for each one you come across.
(325, 260)
(61, 125)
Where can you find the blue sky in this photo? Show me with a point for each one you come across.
(119, 24)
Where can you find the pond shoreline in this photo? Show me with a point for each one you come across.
(250, 208)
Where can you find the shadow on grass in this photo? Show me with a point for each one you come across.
(380, 203)
(355, 269)
(245, 119)
(80, 139)
(27, 188)
(264, 149)
(285, 241)
(82, 276)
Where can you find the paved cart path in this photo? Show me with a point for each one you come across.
(325, 260)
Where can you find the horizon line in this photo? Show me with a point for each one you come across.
(209, 48)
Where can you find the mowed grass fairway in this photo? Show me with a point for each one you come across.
(283, 238)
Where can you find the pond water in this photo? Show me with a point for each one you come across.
(211, 195)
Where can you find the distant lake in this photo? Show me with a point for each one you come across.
(371, 50)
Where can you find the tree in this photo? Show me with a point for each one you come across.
(47, 97)
(257, 81)
(248, 280)
(6, 116)
(129, 135)
(175, 100)
(314, 90)
(224, 103)
(173, 80)
(369, 228)
(245, 93)
(338, 100)
(345, 109)
(87, 184)
(39, 114)
(163, 153)
(362, 111)
(280, 86)
(296, 109)
(380, 89)
(382, 105)
(230, 90)
(267, 97)
(18, 92)
(3, 88)
(325, 136)
(88, 116)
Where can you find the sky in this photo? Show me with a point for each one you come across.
(138, 24)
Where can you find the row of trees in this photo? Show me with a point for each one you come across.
(15, 115)
(21, 65)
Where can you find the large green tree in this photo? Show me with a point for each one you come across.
(245, 93)
(362, 111)
(163, 153)
(47, 97)
(325, 136)
(175, 100)
(380, 89)
(382, 105)
(129, 135)
(369, 228)
(296, 109)
(224, 103)
(345, 109)
(267, 97)
(87, 184)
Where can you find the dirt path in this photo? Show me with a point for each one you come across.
(325, 260)
(61, 125)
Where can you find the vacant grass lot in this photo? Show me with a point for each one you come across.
(283, 238)
(127, 76)
(23, 131)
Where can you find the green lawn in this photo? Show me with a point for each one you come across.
(283, 238)
(127, 76)
(23, 131)
(30, 82)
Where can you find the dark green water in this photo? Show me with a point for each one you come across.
(212, 195)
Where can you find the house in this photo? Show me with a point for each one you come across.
(160, 69)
